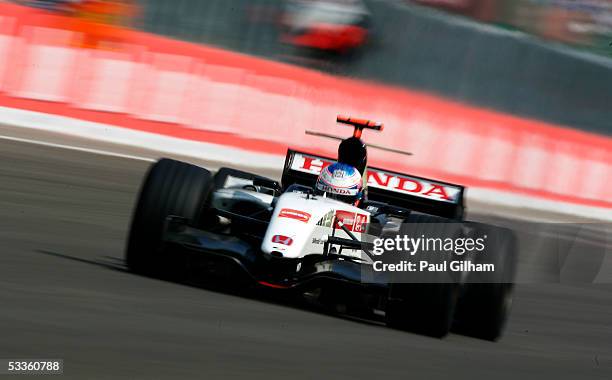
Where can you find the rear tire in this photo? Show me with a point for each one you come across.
(484, 306)
(426, 305)
(170, 188)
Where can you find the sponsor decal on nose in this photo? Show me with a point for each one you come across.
(360, 222)
(355, 222)
(281, 239)
(346, 217)
(294, 214)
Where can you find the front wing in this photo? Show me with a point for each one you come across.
(229, 256)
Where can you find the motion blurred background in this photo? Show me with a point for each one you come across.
(510, 95)
(528, 57)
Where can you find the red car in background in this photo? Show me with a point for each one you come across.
(336, 26)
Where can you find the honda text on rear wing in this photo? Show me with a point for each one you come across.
(412, 192)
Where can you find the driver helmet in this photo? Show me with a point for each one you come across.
(342, 182)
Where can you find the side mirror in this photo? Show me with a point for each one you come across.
(268, 184)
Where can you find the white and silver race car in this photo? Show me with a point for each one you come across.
(247, 230)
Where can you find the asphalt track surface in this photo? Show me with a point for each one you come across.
(64, 293)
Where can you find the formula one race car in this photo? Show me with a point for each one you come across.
(310, 235)
(326, 25)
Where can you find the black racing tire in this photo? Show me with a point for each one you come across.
(426, 304)
(170, 188)
(484, 305)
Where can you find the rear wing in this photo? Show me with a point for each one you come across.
(415, 193)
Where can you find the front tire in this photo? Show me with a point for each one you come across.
(170, 188)
(484, 306)
(426, 304)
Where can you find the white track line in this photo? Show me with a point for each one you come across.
(128, 137)
(122, 137)
(525, 205)
(76, 148)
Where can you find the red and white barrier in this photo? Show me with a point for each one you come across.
(200, 93)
